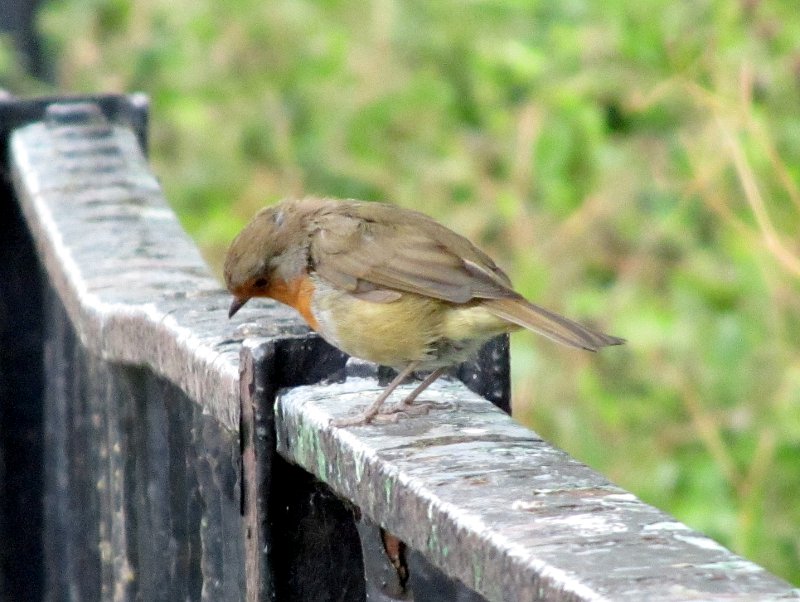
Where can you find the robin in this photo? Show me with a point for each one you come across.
(388, 285)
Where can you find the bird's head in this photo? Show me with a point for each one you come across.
(273, 246)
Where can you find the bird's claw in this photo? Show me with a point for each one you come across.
(391, 414)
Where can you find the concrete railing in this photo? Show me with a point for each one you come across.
(178, 455)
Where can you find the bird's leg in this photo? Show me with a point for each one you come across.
(406, 406)
(367, 415)
(429, 380)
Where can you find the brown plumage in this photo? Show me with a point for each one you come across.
(386, 284)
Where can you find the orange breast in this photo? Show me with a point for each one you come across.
(296, 293)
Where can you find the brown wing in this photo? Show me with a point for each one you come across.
(373, 249)
(367, 246)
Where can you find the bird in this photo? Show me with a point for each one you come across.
(388, 285)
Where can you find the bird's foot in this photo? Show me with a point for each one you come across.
(388, 416)
(360, 419)
(391, 414)
(404, 409)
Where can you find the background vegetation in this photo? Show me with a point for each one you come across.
(635, 164)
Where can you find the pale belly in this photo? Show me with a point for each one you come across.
(410, 329)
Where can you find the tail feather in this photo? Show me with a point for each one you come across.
(558, 328)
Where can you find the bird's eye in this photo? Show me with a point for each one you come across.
(260, 283)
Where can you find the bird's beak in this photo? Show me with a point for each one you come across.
(236, 305)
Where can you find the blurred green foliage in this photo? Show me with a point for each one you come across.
(632, 164)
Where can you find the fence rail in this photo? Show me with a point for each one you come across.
(188, 457)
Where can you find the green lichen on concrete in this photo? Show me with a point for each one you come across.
(321, 461)
(307, 449)
(358, 467)
(477, 571)
(388, 489)
(432, 542)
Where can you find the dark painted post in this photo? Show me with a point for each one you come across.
(21, 385)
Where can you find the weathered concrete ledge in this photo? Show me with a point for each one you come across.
(134, 285)
(503, 511)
